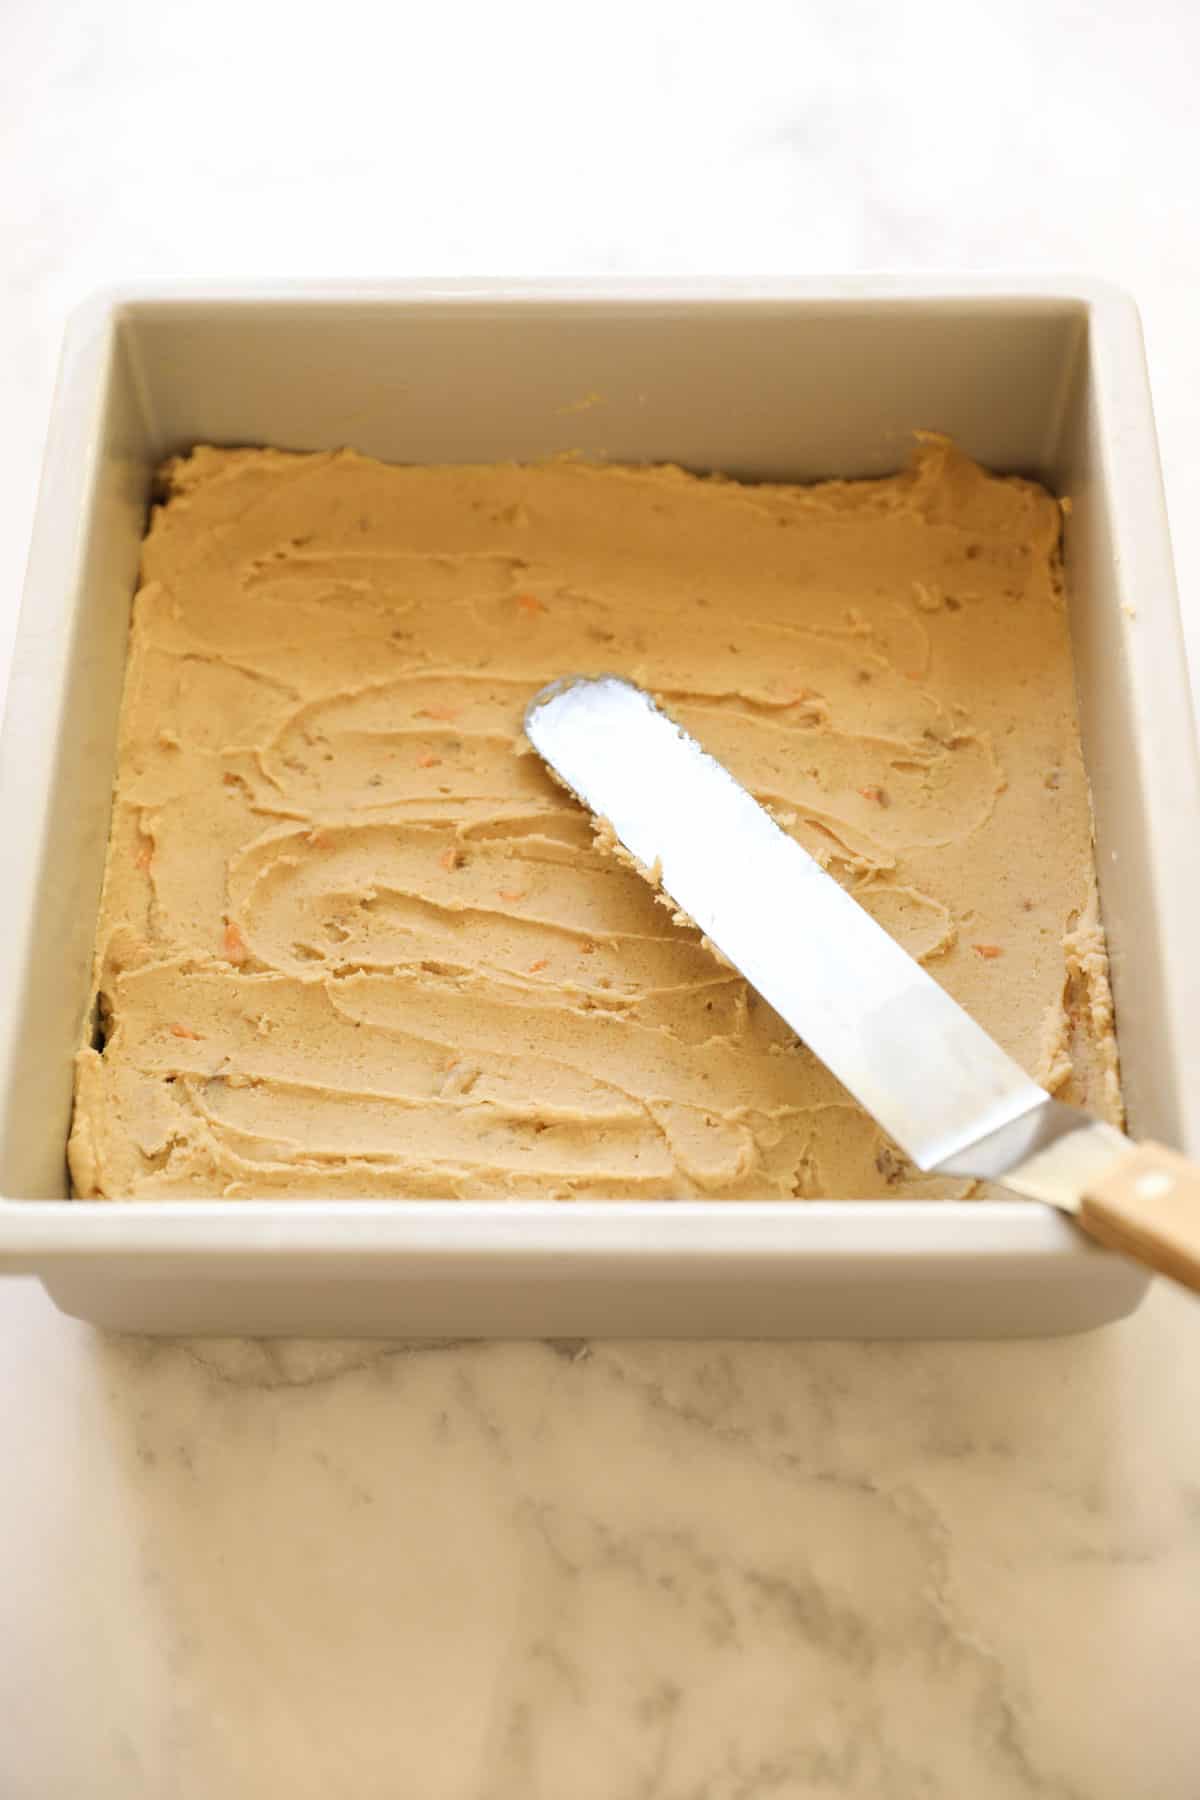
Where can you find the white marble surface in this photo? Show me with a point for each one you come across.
(665, 1572)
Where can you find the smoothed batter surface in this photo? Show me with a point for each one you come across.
(355, 940)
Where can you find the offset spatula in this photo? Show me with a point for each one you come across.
(933, 1078)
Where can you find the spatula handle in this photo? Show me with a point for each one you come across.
(1148, 1207)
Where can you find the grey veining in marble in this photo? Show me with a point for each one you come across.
(611, 1570)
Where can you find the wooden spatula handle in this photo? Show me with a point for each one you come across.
(1148, 1206)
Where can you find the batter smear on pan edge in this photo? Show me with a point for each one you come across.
(355, 940)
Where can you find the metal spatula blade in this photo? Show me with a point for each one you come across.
(938, 1084)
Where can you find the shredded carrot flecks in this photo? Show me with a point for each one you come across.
(182, 1031)
(445, 713)
(511, 893)
(145, 855)
(988, 951)
(543, 962)
(451, 1062)
(451, 858)
(427, 761)
(234, 944)
(877, 794)
(530, 603)
(318, 839)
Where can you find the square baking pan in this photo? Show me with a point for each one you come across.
(782, 380)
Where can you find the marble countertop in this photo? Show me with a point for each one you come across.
(622, 1571)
